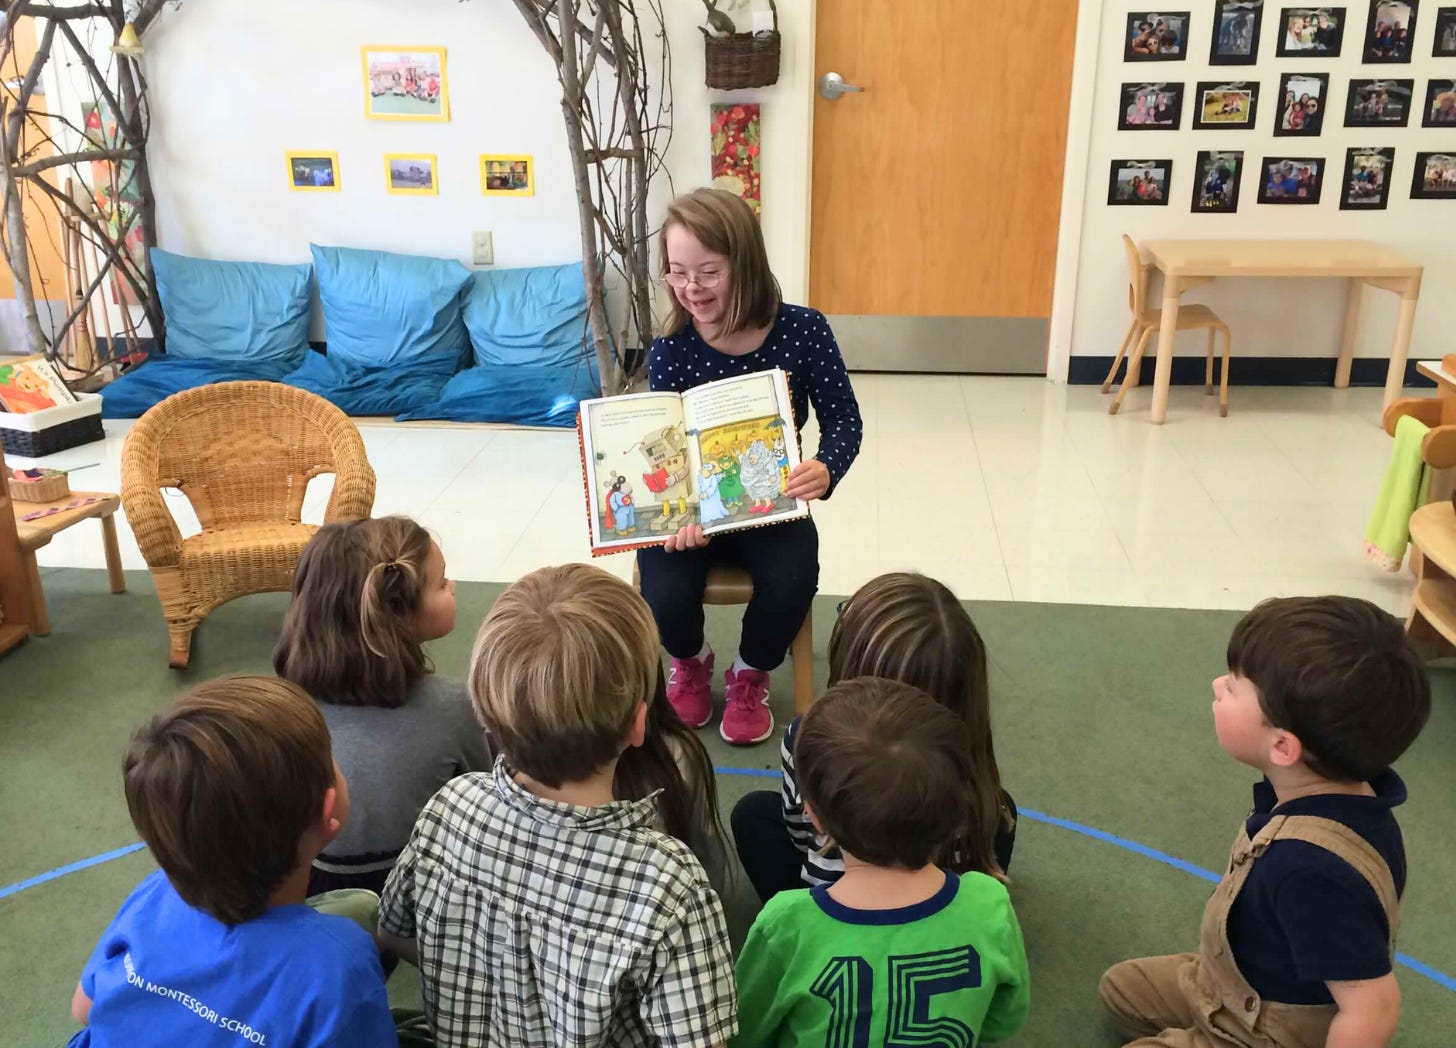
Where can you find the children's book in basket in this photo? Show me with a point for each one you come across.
(718, 455)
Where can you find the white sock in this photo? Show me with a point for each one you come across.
(739, 666)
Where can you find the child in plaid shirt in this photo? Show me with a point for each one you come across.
(542, 911)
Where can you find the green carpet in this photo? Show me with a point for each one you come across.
(1101, 718)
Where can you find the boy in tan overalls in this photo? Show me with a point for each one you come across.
(1322, 695)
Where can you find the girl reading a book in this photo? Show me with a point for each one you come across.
(728, 318)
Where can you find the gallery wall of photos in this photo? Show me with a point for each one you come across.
(1272, 66)
(409, 84)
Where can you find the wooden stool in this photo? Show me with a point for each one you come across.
(38, 532)
(732, 585)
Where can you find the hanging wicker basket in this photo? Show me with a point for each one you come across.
(743, 59)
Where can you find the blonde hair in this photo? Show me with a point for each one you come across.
(560, 665)
(725, 224)
(909, 628)
(348, 636)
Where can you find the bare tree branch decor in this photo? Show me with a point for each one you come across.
(31, 157)
(618, 124)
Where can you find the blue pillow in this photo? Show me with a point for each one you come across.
(527, 316)
(529, 395)
(160, 375)
(233, 311)
(388, 310)
(356, 390)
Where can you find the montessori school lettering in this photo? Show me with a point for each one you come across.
(195, 1006)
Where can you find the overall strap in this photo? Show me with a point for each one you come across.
(1340, 840)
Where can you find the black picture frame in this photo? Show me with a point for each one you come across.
(1366, 182)
(1326, 40)
(1164, 113)
(1378, 103)
(1445, 177)
(1143, 25)
(1290, 122)
(1236, 28)
(1439, 108)
(1211, 99)
(1376, 49)
(1444, 44)
(1121, 177)
(1217, 195)
(1286, 168)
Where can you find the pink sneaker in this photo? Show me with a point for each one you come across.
(746, 716)
(689, 690)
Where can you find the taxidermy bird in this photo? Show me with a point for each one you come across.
(718, 22)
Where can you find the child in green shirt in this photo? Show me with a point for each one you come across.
(897, 950)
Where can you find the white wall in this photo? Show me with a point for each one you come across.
(1269, 318)
(237, 83)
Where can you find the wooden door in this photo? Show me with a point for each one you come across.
(937, 189)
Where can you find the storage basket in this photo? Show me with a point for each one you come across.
(40, 433)
(49, 487)
(743, 59)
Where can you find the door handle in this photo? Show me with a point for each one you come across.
(832, 85)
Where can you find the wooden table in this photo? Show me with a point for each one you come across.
(1189, 263)
(1435, 371)
(14, 594)
(37, 533)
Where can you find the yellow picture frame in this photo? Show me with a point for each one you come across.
(404, 83)
(300, 166)
(404, 180)
(510, 181)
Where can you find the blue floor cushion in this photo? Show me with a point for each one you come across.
(161, 375)
(364, 390)
(528, 395)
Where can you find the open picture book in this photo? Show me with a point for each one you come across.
(718, 455)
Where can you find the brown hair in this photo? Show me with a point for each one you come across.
(559, 667)
(725, 224)
(1340, 674)
(222, 787)
(910, 628)
(348, 636)
(672, 759)
(883, 769)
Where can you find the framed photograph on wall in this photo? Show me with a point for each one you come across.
(1301, 104)
(1236, 25)
(1291, 179)
(410, 174)
(1378, 103)
(1434, 177)
(1366, 186)
(1227, 107)
(502, 175)
(1445, 45)
(1156, 36)
(1216, 178)
(1310, 32)
(1139, 182)
(404, 83)
(1440, 108)
(1390, 31)
(1150, 107)
(313, 171)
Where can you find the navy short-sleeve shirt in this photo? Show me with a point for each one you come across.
(1306, 917)
(801, 343)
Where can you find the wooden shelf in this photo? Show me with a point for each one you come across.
(12, 635)
(1435, 599)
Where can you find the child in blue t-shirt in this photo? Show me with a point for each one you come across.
(234, 791)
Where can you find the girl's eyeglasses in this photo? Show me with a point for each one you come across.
(706, 281)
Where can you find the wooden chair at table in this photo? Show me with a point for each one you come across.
(1145, 325)
(732, 585)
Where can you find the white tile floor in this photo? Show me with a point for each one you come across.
(1004, 488)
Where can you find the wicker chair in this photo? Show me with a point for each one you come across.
(243, 454)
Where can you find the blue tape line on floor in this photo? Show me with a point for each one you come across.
(61, 871)
(1436, 976)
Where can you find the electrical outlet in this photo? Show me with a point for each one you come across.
(482, 248)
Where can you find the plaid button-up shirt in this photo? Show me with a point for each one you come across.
(547, 925)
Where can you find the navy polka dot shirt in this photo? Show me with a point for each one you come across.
(801, 343)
